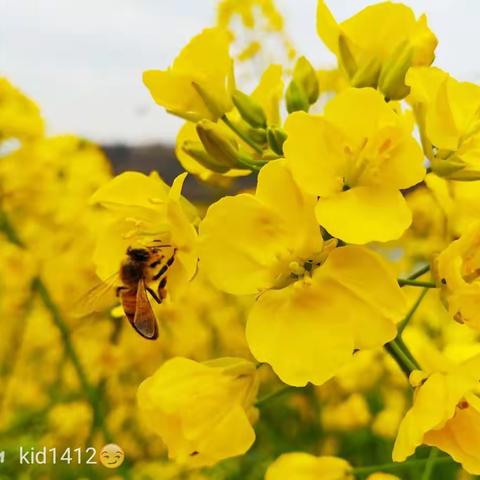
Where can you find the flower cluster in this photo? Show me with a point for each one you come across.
(309, 327)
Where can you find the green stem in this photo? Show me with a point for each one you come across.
(389, 467)
(251, 164)
(241, 134)
(402, 325)
(419, 272)
(404, 362)
(59, 322)
(270, 396)
(427, 473)
(90, 392)
(7, 228)
(416, 283)
(412, 279)
(407, 352)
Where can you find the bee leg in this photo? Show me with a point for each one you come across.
(161, 272)
(162, 245)
(157, 262)
(162, 293)
(172, 258)
(154, 295)
(120, 289)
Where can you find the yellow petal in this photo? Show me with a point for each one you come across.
(302, 466)
(460, 438)
(111, 247)
(244, 238)
(143, 191)
(240, 238)
(434, 404)
(268, 93)
(382, 476)
(427, 412)
(300, 333)
(397, 23)
(359, 113)
(204, 65)
(314, 153)
(184, 236)
(450, 106)
(365, 214)
(206, 53)
(371, 290)
(176, 93)
(233, 435)
(327, 27)
(404, 166)
(197, 407)
(277, 188)
(424, 83)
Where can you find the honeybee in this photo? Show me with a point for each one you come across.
(141, 268)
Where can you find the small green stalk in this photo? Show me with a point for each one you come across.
(277, 393)
(393, 467)
(241, 134)
(403, 360)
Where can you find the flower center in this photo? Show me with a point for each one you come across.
(295, 270)
(364, 162)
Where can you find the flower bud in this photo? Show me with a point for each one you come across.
(249, 109)
(392, 77)
(258, 135)
(346, 59)
(367, 75)
(276, 138)
(223, 149)
(305, 75)
(215, 108)
(296, 98)
(198, 153)
(454, 168)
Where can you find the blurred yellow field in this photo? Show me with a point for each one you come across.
(300, 302)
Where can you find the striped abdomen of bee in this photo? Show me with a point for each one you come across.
(141, 268)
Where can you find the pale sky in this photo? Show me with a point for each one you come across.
(82, 60)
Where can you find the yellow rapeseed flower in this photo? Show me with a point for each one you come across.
(356, 158)
(195, 160)
(192, 154)
(318, 303)
(142, 209)
(19, 116)
(382, 476)
(200, 81)
(202, 411)
(380, 56)
(268, 93)
(459, 201)
(348, 415)
(449, 120)
(303, 466)
(445, 414)
(458, 274)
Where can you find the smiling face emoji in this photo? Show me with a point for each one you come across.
(111, 456)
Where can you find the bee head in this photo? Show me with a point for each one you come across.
(138, 254)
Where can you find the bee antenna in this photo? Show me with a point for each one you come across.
(163, 245)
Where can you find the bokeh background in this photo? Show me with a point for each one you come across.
(82, 62)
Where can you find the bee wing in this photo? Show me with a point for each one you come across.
(101, 297)
(144, 321)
